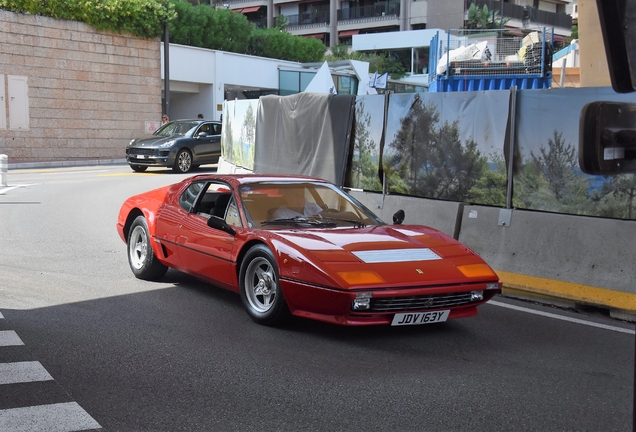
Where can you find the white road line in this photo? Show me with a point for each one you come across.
(8, 188)
(563, 318)
(1, 317)
(9, 338)
(23, 372)
(60, 417)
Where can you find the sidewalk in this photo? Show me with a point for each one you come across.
(49, 163)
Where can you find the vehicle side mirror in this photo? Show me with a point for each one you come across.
(607, 130)
(607, 138)
(202, 134)
(398, 217)
(219, 224)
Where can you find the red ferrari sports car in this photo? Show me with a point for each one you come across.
(302, 246)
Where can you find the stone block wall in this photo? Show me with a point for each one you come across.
(89, 93)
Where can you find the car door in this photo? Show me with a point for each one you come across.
(168, 220)
(206, 149)
(205, 251)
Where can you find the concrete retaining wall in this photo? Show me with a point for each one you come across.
(89, 93)
(560, 259)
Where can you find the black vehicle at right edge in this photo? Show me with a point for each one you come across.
(182, 145)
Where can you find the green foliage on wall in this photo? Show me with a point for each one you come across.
(142, 18)
(201, 25)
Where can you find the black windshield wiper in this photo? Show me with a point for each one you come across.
(299, 220)
(356, 223)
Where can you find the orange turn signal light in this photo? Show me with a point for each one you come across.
(476, 270)
(361, 277)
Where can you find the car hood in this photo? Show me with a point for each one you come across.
(150, 141)
(399, 254)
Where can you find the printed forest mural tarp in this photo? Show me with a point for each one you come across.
(547, 175)
(239, 132)
(455, 146)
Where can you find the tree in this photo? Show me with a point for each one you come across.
(364, 171)
(452, 168)
(559, 164)
(282, 22)
(248, 138)
(414, 136)
(432, 160)
(483, 19)
(491, 188)
(616, 198)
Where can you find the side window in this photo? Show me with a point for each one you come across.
(216, 129)
(204, 128)
(189, 196)
(232, 216)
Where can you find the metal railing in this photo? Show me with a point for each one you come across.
(535, 16)
(376, 10)
(305, 18)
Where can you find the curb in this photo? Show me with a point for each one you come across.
(620, 305)
(65, 163)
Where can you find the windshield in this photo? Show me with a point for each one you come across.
(305, 204)
(176, 128)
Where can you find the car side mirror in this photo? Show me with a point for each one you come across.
(219, 224)
(607, 130)
(202, 134)
(607, 138)
(398, 217)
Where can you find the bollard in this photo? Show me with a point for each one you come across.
(4, 166)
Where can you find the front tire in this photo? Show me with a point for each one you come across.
(141, 258)
(183, 161)
(260, 288)
(138, 168)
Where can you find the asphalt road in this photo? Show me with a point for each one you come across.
(103, 349)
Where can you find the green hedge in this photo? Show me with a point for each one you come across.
(143, 18)
(278, 44)
(201, 26)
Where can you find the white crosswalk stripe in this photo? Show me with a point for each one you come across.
(22, 372)
(57, 416)
(60, 417)
(9, 338)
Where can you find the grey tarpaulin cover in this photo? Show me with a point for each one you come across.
(305, 133)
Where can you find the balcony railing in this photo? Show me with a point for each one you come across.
(372, 11)
(305, 18)
(260, 23)
(535, 16)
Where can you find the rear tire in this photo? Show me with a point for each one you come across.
(138, 168)
(260, 288)
(183, 161)
(141, 258)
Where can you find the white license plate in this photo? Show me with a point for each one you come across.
(417, 318)
(140, 156)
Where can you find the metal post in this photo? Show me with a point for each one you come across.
(166, 69)
(4, 166)
(511, 147)
(565, 62)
